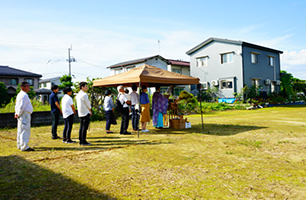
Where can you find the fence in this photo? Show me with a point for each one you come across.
(37, 119)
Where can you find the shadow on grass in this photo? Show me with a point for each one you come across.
(20, 179)
(289, 106)
(100, 145)
(209, 129)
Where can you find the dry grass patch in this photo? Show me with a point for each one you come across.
(239, 155)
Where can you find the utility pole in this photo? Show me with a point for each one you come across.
(158, 47)
(70, 59)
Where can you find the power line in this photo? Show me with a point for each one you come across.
(91, 64)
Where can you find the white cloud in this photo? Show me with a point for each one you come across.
(294, 58)
(31, 46)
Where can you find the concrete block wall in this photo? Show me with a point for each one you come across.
(37, 119)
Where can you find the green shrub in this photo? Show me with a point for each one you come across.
(37, 106)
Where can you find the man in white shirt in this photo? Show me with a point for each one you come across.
(23, 111)
(124, 112)
(84, 112)
(68, 113)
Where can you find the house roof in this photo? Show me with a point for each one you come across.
(211, 39)
(179, 62)
(146, 75)
(9, 71)
(49, 79)
(43, 91)
(136, 61)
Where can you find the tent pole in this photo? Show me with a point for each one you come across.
(92, 96)
(201, 108)
(139, 109)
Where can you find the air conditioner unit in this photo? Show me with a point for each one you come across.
(215, 82)
(278, 82)
(267, 82)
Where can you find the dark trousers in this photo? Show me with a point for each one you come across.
(55, 118)
(109, 117)
(135, 118)
(84, 122)
(125, 120)
(68, 127)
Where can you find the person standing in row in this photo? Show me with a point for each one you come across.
(84, 112)
(135, 107)
(109, 110)
(159, 107)
(145, 109)
(55, 111)
(23, 111)
(124, 111)
(68, 113)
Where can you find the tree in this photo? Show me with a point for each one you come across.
(96, 97)
(299, 85)
(66, 81)
(31, 93)
(3, 94)
(286, 84)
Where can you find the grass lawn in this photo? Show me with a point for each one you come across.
(239, 155)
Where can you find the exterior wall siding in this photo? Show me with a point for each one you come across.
(261, 70)
(217, 71)
(157, 63)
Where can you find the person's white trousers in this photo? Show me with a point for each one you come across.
(23, 131)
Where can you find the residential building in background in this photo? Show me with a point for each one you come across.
(11, 77)
(177, 66)
(231, 64)
(44, 90)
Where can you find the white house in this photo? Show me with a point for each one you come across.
(44, 90)
(177, 66)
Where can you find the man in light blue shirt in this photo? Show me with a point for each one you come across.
(109, 110)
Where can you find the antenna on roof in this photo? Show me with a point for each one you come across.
(158, 42)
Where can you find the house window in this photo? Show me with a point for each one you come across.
(271, 61)
(227, 58)
(129, 68)
(255, 82)
(272, 86)
(254, 57)
(204, 86)
(163, 90)
(30, 81)
(202, 62)
(118, 71)
(226, 84)
(45, 84)
(13, 81)
(177, 91)
(176, 70)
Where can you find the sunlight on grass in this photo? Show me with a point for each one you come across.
(238, 155)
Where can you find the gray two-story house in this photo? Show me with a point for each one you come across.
(231, 64)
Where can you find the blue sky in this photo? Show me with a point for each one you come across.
(35, 35)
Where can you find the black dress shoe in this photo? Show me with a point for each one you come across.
(70, 141)
(85, 144)
(109, 132)
(29, 149)
(55, 138)
(127, 133)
